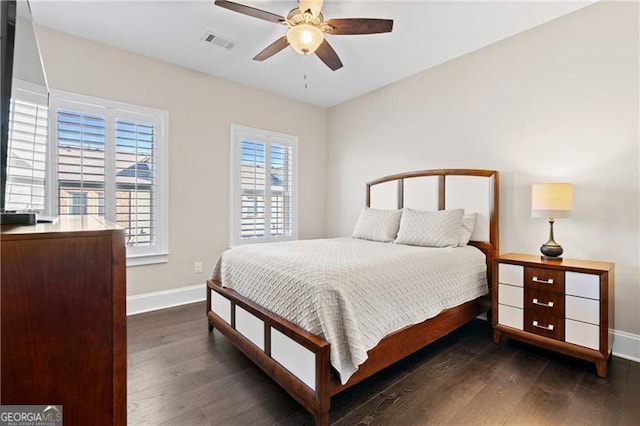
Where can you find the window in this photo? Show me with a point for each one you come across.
(109, 159)
(263, 205)
(27, 152)
(77, 203)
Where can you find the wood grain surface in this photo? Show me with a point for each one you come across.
(180, 374)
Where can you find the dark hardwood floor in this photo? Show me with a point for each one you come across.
(180, 374)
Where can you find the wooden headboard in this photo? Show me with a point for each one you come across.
(477, 191)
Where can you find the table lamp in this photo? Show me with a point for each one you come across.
(552, 201)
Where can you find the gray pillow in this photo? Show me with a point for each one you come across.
(468, 223)
(377, 225)
(430, 228)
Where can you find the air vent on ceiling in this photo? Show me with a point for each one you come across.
(218, 40)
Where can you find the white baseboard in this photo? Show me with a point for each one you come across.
(626, 345)
(165, 299)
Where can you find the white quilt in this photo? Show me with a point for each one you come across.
(353, 292)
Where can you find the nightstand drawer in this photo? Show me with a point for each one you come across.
(511, 274)
(544, 302)
(581, 309)
(583, 285)
(510, 316)
(583, 334)
(510, 295)
(544, 325)
(544, 279)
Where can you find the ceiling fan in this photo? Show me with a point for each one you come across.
(307, 28)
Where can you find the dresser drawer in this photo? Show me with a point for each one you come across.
(544, 279)
(510, 295)
(583, 285)
(544, 302)
(511, 274)
(544, 325)
(510, 316)
(583, 334)
(581, 309)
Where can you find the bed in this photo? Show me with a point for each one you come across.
(293, 350)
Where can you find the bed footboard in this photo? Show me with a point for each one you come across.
(296, 359)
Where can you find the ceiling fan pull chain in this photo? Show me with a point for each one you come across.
(306, 85)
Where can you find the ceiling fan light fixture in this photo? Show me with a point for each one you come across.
(305, 38)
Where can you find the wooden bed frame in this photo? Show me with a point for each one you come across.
(299, 361)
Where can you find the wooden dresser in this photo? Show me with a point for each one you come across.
(564, 305)
(63, 336)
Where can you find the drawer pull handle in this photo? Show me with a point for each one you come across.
(546, 305)
(548, 328)
(537, 280)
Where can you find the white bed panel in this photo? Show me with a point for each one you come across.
(294, 357)
(221, 306)
(384, 196)
(472, 193)
(251, 327)
(421, 193)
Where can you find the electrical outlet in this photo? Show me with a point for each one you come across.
(197, 267)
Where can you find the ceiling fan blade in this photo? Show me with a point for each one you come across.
(329, 56)
(251, 11)
(272, 49)
(353, 26)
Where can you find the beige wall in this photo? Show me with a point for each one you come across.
(556, 103)
(201, 109)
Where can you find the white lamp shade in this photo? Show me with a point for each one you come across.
(551, 200)
(305, 38)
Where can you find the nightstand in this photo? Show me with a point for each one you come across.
(564, 305)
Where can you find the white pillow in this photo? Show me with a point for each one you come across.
(430, 228)
(377, 225)
(468, 223)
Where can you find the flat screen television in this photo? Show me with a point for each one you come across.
(20, 59)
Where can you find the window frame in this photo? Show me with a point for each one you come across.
(238, 133)
(113, 110)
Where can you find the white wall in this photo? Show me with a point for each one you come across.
(201, 109)
(556, 103)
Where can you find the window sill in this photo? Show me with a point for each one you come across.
(147, 259)
(262, 240)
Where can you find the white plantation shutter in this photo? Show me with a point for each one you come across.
(281, 190)
(80, 162)
(252, 190)
(27, 153)
(110, 160)
(263, 186)
(135, 180)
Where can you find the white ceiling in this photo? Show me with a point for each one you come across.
(425, 34)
